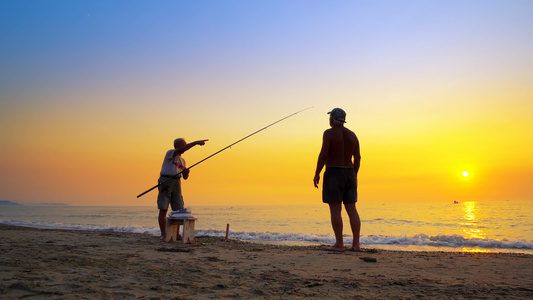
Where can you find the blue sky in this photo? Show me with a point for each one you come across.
(116, 80)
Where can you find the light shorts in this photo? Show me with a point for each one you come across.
(169, 193)
(339, 185)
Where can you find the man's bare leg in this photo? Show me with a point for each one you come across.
(336, 222)
(355, 223)
(162, 222)
(179, 237)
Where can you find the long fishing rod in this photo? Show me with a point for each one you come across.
(175, 176)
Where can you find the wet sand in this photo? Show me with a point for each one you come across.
(67, 264)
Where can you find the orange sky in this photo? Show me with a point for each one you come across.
(91, 99)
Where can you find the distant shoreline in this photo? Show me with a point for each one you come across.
(6, 202)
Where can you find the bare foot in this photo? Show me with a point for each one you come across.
(336, 249)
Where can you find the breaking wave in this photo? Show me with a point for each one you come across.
(447, 242)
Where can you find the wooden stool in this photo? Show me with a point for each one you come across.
(172, 229)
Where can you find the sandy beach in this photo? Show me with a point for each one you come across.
(65, 264)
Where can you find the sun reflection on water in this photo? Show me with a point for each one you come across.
(471, 225)
(476, 250)
(470, 221)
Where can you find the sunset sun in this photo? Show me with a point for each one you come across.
(465, 173)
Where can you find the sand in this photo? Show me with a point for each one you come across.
(67, 264)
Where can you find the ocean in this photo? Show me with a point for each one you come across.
(505, 226)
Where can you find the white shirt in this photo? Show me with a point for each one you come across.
(172, 165)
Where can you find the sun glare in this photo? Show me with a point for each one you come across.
(472, 226)
(465, 173)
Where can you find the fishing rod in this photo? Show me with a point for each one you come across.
(175, 176)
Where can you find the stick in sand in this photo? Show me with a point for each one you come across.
(227, 231)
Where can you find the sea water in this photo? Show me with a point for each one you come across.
(505, 226)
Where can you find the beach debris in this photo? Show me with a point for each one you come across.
(212, 258)
(368, 259)
(221, 286)
(163, 249)
(313, 284)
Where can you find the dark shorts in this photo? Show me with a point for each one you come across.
(169, 193)
(339, 186)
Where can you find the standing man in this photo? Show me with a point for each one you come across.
(169, 184)
(339, 146)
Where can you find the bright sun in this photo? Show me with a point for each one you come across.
(465, 173)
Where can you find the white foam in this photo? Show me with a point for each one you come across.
(451, 242)
(84, 227)
(441, 241)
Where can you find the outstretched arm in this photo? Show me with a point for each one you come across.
(188, 146)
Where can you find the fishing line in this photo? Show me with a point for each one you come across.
(175, 176)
